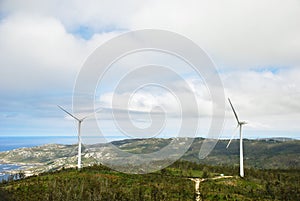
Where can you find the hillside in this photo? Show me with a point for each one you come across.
(172, 183)
(264, 154)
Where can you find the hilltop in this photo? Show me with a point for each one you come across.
(173, 183)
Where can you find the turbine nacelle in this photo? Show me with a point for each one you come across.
(242, 123)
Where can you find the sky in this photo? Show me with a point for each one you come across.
(254, 45)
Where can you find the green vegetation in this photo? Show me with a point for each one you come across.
(272, 173)
(263, 154)
(98, 183)
(257, 185)
(172, 183)
(270, 153)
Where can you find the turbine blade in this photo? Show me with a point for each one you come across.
(234, 134)
(234, 111)
(68, 113)
(98, 110)
(229, 143)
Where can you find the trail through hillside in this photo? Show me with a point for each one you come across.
(199, 180)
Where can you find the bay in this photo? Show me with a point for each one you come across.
(14, 142)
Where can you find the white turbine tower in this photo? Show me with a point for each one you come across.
(240, 124)
(79, 134)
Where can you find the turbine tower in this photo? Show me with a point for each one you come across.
(240, 125)
(79, 134)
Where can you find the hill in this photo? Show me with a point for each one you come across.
(173, 183)
(263, 154)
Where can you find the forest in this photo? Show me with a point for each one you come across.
(98, 182)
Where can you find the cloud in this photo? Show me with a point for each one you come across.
(265, 93)
(34, 51)
(150, 97)
(100, 16)
(38, 53)
(235, 33)
(255, 45)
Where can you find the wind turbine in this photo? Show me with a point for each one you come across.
(240, 125)
(79, 134)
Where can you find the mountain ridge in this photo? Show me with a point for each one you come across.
(262, 154)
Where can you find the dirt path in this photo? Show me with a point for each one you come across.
(199, 180)
(197, 187)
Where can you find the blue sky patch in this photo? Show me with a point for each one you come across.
(271, 69)
(84, 32)
(87, 32)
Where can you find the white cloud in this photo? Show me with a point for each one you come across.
(37, 52)
(265, 93)
(151, 97)
(99, 15)
(235, 33)
(40, 49)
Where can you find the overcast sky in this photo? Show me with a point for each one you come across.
(255, 46)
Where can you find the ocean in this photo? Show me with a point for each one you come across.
(13, 142)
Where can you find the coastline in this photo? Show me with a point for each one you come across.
(12, 168)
